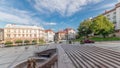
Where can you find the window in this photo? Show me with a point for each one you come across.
(23, 35)
(26, 31)
(108, 15)
(23, 31)
(30, 35)
(8, 30)
(114, 13)
(34, 31)
(19, 35)
(30, 31)
(18, 30)
(14, 35)
(34, 35)
(8, 35)
(26, 35)
(108, 18)
(15, 31)
(114, 17)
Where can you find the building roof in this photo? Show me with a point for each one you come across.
(23, 26)
(1, 29)
(49, 30)
(68, 29)
(65, 31)
(116, 6)
(61, 32)
(106, 12)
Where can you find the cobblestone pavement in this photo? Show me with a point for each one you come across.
(13, 55)
(115, 46)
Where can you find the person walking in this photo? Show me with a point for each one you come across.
(29, 65)
(34, 63)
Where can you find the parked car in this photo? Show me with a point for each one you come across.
(88, 41)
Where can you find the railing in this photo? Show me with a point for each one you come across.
(50, 63)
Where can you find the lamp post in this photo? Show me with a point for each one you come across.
(83, 33)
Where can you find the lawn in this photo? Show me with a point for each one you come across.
(102, 39)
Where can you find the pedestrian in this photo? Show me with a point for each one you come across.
(34, 63)
(29, 65)
(26, 48)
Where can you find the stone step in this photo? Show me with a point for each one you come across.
(92, 57)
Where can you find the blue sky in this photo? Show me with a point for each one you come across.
(51, 14)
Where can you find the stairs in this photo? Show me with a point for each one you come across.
(92, 56)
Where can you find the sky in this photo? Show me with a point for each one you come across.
(51, 14)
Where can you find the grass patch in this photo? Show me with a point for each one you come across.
(100, 39)
(76, 40)
(105, 39)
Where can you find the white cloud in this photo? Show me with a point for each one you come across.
(63, 7)
(50, 23)
(17, 18)
(21, 17)
(12, 18)
(118, 0)
(13, 15)
(106, 6)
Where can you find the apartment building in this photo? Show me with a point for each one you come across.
(1, 35)
(114, 15)
(70, 33)
(49, 35)
(60, 35)
(23, 32)
(66, 34)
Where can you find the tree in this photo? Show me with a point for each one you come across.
(8, 43)
(18, 42)
(34, 41)
(41, 41)
(102, 26)
(26, 41)
(85, 28)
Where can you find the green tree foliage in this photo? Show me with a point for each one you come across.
(85, 28)
(102, 26)
(98, 26)
(26, 41)
(8, 43)
(41, 41)
(34, 41)
(18, 41)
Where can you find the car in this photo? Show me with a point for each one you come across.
(88, 41)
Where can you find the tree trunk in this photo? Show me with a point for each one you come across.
(104, 36)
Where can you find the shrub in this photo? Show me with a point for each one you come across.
(114, 35)
(60, 42)
(70, 42)
(82, 42)
(41, 41)
(26, 41)
(9, 46)
(8, 43)
(34, 41)
(18, 41)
